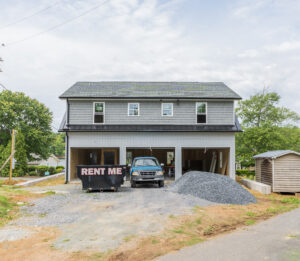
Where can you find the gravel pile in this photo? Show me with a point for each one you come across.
(212, 187)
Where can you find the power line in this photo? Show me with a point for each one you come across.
(3, 86)
(58, 25)
(29, 16)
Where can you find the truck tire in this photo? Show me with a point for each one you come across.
(161, 184)
(133, 184)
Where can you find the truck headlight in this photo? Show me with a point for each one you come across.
(135, 173)
(159, 173)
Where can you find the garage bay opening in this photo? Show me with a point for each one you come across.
(210, 160)
(164, 155)
(92, 156)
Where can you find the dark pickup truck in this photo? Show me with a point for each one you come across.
(146, 169)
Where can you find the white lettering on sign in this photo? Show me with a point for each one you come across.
(112, 171)
(100, 171)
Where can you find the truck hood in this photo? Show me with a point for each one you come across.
(157, 168)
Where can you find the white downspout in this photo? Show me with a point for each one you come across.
(273, 171)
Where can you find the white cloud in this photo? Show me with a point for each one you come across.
(137, 40)
(250, 53)
(287, 46)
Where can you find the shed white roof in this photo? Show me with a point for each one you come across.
(275, 154)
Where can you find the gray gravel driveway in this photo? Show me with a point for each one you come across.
(101, 221)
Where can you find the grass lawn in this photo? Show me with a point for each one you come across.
(11, 198)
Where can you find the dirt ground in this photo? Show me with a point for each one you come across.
(133, 224)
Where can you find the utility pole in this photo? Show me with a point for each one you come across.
(12, 155)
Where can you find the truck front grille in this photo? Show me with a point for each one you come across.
(146, 173)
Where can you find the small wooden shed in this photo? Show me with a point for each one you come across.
(280, 169)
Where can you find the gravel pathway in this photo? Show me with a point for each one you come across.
(101, 221)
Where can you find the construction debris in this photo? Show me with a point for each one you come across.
(212, 187)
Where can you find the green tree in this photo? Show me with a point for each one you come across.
(262, 110)
(19, 156)
(266, 127)
(32, 118)
(58, 145)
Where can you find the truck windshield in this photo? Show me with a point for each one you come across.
(145, 162)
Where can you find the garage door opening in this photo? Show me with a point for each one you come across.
(210, 160)
(164, 155)
(92, 156)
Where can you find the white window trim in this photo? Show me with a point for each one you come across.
(162, 110)
(201, 113)
(94, 113)
(138, 109)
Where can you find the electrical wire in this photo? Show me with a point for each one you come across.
(57, 26)
(3, 86)
(29, 16)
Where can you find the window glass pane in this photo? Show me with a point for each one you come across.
(133, 109)
(133, 106)
(201, 118)
(99, 107)
(98, 118)
(167, 109)
(201, 108)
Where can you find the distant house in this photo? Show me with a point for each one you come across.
(280, 169)
(52, 161)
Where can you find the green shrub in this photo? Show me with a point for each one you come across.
(32, 173)
(32, 168)
(52, 170)
(245, 172)
(60, 167)
(59, 170)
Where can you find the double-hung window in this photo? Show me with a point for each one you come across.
(167, 109)
(99, 112)
(133, 109)
(201, 112)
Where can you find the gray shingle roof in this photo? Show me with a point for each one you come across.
(275, 154)
(207, 90)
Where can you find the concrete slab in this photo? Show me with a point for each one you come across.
(35, 181)
(260, 187)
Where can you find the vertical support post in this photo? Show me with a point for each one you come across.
(122, 155)
(67, 159)
(232, 162)
(12, 155)
(178, 163)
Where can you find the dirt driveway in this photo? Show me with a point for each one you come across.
(98, 222)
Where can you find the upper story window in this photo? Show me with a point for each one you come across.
(99, 112)
(133, 109)
(167, 109)
(201, 110)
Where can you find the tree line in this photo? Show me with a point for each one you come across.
(266, 126)
(34, 136)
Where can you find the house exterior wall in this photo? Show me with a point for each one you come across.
(287, 174)
(184, 112)
(177, 140)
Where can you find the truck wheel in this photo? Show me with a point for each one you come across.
(133, 184)
(161, 184)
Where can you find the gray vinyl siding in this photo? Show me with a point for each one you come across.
(184, 112)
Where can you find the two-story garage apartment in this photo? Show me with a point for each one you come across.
(186, 125)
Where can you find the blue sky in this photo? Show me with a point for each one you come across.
(248, 44)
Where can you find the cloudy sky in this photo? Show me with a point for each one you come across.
(248, 44)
